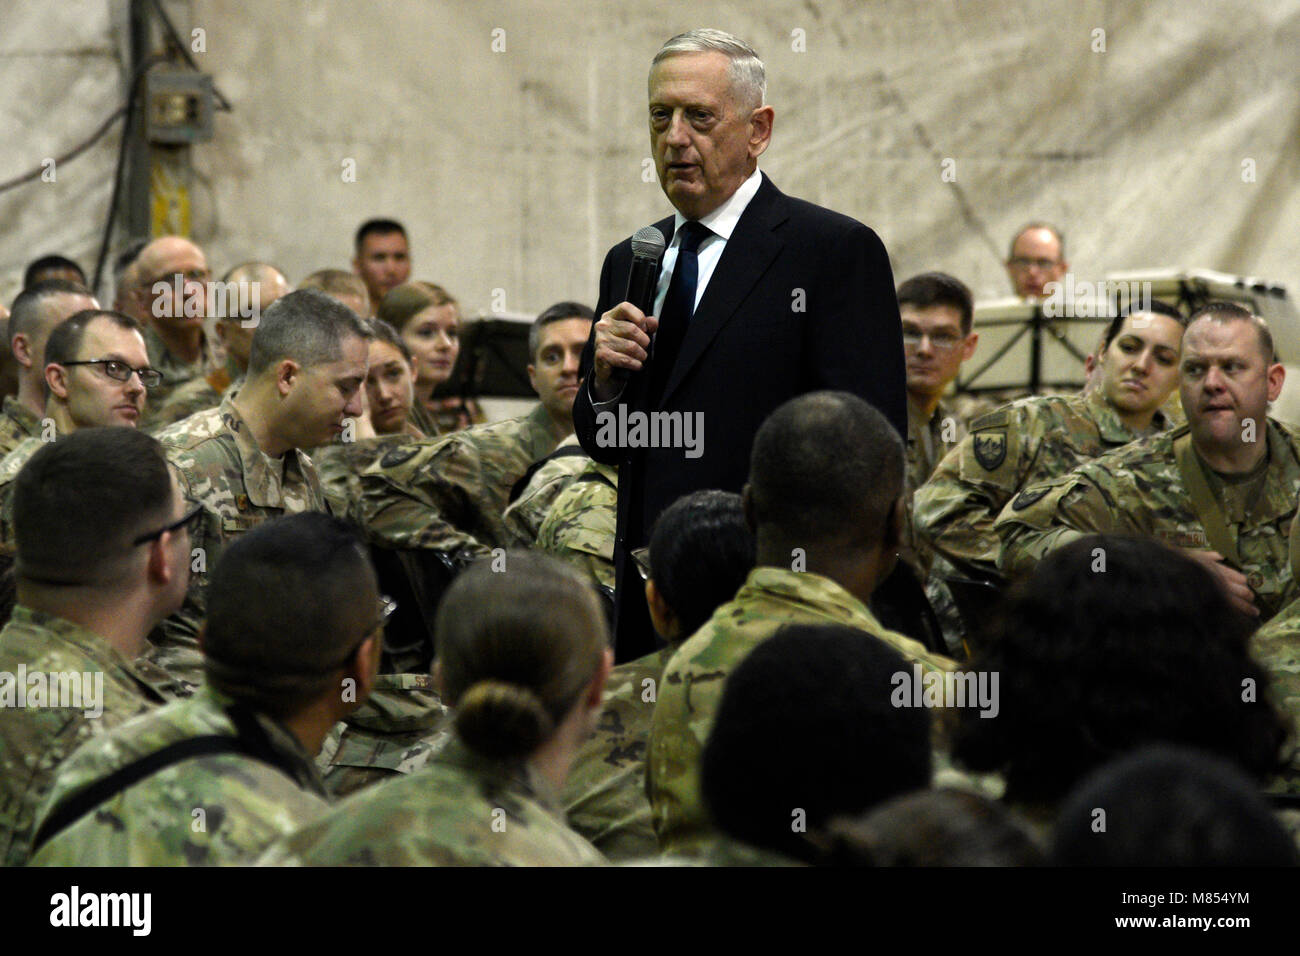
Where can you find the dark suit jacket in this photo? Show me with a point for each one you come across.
(801, 300)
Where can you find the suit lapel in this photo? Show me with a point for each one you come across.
(748, 254)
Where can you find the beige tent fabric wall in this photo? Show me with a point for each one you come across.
(515, 168)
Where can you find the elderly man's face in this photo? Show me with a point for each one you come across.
(705, 144)
(1035, 261)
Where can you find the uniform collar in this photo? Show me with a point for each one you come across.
(265, 478)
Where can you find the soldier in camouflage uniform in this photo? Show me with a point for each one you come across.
(448, 494)
(580, 526)
(37, 311)
(295, 616)
(235, 333)
(242, 461)
(1225, 486)
(822, 549)
(525, 513)
(80, 504)
(523, 660)
(85, 352)
(1037, 438)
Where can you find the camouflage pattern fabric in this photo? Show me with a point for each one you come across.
(928, 440)
(580, 526)
(1027, 441)
(196, 395)
(219, 465)
(17, 422)
(604, 795)
(211, 810)
(340, 464)
(1276, 646)
(400, 726)
(424, 420)
(37, 737)
(175, 372)
(523, 518)
(447, 494)
(462, 809)
(1139, 490)
(692, 684)
(9, 468)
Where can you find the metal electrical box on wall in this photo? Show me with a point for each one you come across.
(178, 107)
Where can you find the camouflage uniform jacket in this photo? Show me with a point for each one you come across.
(928, 440)
(214, 809)
(17, 422)
(219, 464)
(340, 465)
(692, 683)
(1276, 646)
(462, 809)
(175, 372)
(399, 727)
(604, 794)
(524, 516)
(196, 395)
(447, 494)
(10, 465)
(1139, 489)
(35, 740)
(580, 526)
(1027, 441)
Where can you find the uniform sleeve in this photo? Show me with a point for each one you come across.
(1049, 514)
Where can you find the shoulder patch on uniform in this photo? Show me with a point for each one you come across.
(1027, 498)
(990, 450)
(395, 456)
(995, 419)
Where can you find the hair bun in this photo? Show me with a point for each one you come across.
(503, 720)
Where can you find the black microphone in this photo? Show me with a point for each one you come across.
(648, 246)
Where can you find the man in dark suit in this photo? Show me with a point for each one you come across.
(760, 297)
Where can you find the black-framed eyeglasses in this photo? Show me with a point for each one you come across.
(185, 522)
(121, 372)
(1025, 263)
(641, 558)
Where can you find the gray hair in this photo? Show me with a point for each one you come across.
(748, 76)
(306, 326)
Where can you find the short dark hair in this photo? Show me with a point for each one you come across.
(1170, 806)
(306, 326)
(282, 613)
(1156, 307)
(28, 308)
(382, 331)
(944, 827)
(701, 551)
(825, 467)
(48, 264)
(555, 313)
(516, 649)
(81, 500)
(938, 288)
(65, 340)
(1225, 312)
(378, 227)
(806, 724)
(1146, 650)
(1038, 224)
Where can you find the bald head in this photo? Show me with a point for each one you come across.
(153, 277)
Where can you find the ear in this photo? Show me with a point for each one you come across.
(760, 134)
(364, 666)
(287, 373)
(56, 378)
(158, 567)
(661, 615)
(596, 689)
(22, 350)
(968, 349)
(893, 539)
(223, 333)
(532, 377)
(747, 505)
(1276, 376)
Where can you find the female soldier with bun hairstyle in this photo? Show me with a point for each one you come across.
(523, 657)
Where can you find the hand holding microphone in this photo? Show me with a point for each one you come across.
(623, 333)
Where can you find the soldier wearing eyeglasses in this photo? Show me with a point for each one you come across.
(1037, 257)
(96, 374)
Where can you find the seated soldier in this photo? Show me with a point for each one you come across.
(1169, 806)
(244, 460)
(1225, 486)
(427, 317)
(824, 498)
(96, 374)
(103, 555)
(806, 730)
(700, 553)
(1115, 642)
(448, 494)
(291, 645)
(533, 494)
(523, 657)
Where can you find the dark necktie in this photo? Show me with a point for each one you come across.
(679, 305)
